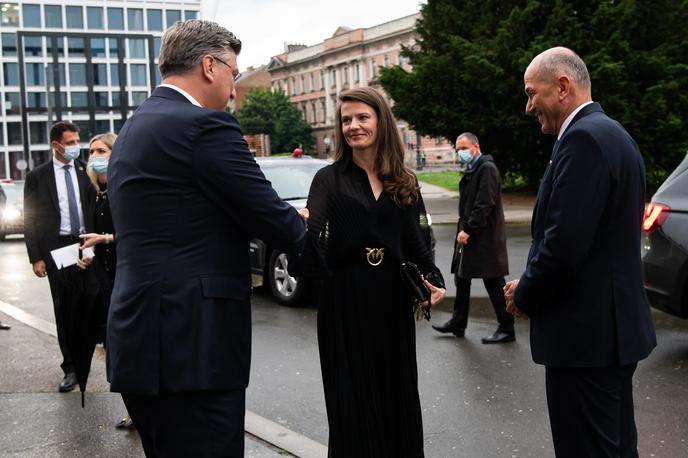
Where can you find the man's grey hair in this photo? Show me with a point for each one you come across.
(563, 60)
(186, 42)
(471, 137)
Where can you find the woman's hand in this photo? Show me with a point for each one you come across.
(436, 294)
(304, 213)
(91, 239)
(83, 263)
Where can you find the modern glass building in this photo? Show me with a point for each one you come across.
(89, 62)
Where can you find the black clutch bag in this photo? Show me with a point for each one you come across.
(413, 280)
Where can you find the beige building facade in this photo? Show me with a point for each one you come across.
(314, 76)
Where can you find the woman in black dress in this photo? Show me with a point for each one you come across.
(103, 240)
(363, 223)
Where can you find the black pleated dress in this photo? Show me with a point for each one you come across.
(366, 327)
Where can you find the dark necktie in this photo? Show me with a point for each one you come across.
(71, 198)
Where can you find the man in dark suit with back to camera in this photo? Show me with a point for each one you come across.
(56, 194)
(187, 197)
(582, 288)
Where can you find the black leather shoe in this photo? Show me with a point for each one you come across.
(5, 327)
(448, 327)
(125, 423)
(68, 382)
(499, 337)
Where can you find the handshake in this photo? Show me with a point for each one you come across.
(509, 290)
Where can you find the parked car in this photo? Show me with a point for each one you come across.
(12, 214)
(665, 246)
(291, 177)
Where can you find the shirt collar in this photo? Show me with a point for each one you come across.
(188, 96)
(570, 117)
(58, 164)
(474, 161)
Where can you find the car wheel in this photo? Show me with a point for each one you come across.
(287, 290)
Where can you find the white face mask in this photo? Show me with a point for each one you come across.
(71, 152)
(465, 156)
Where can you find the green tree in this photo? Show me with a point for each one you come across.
(469, 61)
(267, 112)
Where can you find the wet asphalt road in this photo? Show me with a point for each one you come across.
(478, 401)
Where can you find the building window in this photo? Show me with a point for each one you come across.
(35, 99)
(14, 133)
(10, 71)
(115, 18)
(38, 132)
(314, 113)
(323, 110)
(9, 15)
(156, 47)
(101, 99)
(53, 16)
(358, 72)
(61, 74)
(32, 15)
(95, 17)
(9, 44)
(189, 14)
(373, 69)
(134, 19)
(59, 42)
(293, 86)
(137, 98)
(346, 74)
(154, 19)
(137, 48)
(114, 74)
(322, 79)
(75, 17)
(63, 99)
(138, 74)
(114, 47)
(172, 16)
(33, 46)
(303, 84)
(99, 74)
(75, 47)
(334, 77)
(385, 61)
(77, 74)
(102, 125)
(12, 103)
(98, 47)
(116, 100)
(312, 82)
(34, 74)
(79, 100)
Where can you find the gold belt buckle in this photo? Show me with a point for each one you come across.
(375, 256)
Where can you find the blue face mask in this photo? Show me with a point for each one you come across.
(99, 164)
(465, 156)
(71, 152)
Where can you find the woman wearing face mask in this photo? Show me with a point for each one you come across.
(103, 239)
(364, 222)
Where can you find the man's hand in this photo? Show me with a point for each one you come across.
(436, 294)
(509, 290)
(39, 268)
(83, 263)
(304, 213)
(462, 238)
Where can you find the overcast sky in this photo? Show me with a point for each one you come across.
(264, 25)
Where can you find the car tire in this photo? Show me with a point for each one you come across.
(287, 290)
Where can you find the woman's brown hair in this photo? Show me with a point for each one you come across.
(397, 180)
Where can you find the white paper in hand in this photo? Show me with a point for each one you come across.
(65, 256)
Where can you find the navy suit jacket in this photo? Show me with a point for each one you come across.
(582, 287)
(186, 197)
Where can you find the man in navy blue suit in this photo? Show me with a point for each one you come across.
(187, 197)
(582, 288)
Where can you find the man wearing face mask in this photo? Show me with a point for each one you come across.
(55, 196)
(480, 246)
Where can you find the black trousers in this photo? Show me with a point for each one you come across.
(591, 411)
(199, 424)
(62, 306)
(495, 289)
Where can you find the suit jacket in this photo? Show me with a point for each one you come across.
(186, 198)
(481, 215)
(42, 210)
(582, 287)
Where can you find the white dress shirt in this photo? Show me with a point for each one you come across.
(63, 201)
(188, 96)
(569, 118)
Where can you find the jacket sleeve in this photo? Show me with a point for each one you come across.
(227, 173)
(416, 248)
(485, 200)
(31, 223)
(580, 184)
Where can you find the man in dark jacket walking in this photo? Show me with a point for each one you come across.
(480, 246)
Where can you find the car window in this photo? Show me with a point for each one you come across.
(292, 181)
(14, 193)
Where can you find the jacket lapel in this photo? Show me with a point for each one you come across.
(52, 185)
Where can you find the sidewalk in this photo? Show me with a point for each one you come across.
(442, 204)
